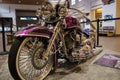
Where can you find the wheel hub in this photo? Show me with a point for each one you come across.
(37, 61)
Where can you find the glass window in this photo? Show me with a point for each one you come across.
(72, 2)
(28, 18)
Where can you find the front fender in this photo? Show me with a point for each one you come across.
(37, 30)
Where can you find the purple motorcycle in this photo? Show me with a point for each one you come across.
(58, 34)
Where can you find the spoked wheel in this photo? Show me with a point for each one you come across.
(25, 59)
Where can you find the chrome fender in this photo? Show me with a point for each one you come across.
(37, 30)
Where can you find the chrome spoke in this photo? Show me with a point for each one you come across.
(31, 66)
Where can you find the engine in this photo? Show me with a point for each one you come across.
(79, 46)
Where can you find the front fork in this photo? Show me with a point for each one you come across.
(57, 32)
(52, 40)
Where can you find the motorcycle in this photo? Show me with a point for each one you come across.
(36, 49)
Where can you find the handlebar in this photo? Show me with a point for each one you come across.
(48, 11)
(84, 17)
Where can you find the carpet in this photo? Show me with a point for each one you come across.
(109, 60)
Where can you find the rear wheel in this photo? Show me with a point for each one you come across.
(25, 59)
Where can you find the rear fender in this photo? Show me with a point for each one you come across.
(39, 31)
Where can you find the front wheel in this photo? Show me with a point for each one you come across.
(25, 59)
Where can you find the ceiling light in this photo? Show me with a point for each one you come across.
(37, 2)
(19, 1)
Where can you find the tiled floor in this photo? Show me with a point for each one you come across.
(89, 70)
(110, 43)
(3, 57)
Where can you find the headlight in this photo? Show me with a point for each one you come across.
(47, 8)
(62, 11)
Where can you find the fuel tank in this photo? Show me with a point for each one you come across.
(71, 21)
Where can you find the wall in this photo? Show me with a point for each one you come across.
(95, 4)
(88, 6)
(109, 9)
(83, 5)
(118, 16)
(8, 10)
